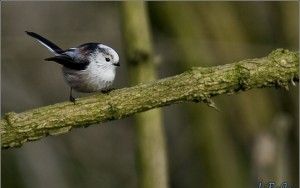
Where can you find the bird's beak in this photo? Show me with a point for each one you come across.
(116, 64)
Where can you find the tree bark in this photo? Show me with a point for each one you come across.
(278, 69)
(151, 157)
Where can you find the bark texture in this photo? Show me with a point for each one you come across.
(278, 69)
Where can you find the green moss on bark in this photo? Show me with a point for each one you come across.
(278, 69)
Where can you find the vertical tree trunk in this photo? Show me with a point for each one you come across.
(151, 153)
(213, 145)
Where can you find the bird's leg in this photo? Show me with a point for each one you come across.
(72, 99)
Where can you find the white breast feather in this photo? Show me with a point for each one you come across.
(94, 78)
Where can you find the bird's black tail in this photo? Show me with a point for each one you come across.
(48, 44)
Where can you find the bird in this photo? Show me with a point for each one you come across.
(87, 68)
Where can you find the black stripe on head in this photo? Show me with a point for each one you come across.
(104, 51)
(88, 47)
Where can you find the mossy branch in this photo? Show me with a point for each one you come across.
(278, 69)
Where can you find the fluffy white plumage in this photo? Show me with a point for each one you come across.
(89, 67)
(98, 75)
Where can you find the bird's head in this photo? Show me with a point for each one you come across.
(105, 56)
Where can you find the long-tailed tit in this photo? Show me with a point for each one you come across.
(87, 68)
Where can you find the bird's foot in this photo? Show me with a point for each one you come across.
(72, 99)
(105, 91)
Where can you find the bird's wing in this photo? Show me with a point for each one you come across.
(69, 61)
(75, 58)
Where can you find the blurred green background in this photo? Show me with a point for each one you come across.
(253, 138)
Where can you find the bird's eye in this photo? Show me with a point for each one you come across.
(107, 59)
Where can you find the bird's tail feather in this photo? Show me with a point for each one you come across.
(45, 42)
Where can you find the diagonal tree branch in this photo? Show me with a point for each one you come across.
(278, 69)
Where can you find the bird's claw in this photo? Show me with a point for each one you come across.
(72, 99)
(105, 91)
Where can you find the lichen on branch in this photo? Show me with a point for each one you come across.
(278, 69)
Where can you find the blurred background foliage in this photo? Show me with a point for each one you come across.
(253, 138)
